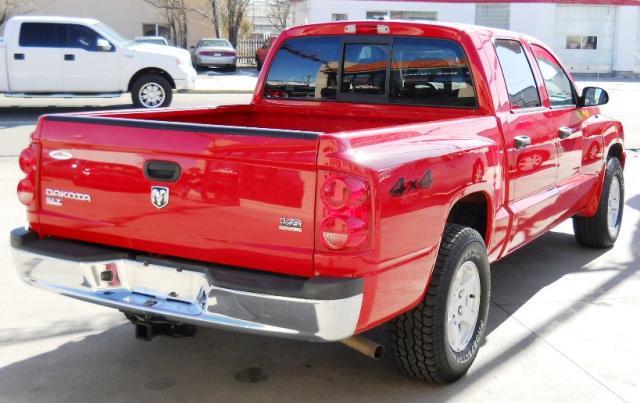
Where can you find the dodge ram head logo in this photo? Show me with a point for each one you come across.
(159, 196)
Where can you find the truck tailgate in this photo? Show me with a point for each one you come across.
(242, 196)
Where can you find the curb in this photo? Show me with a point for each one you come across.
(215, 92)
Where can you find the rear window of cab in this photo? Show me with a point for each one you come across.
(400, 70)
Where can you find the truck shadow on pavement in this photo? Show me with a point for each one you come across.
(222, 366)
(13, 116)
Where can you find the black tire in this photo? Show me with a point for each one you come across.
(419, 338)
(151, 79)
(233, 68)
(594, 232)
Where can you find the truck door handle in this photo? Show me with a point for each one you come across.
(521, 142)
(565, 132)
(69, 58)
(163, 171)
(18, 56)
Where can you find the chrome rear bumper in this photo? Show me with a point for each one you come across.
(318, 309)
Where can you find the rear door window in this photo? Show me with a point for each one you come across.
(42, 35)
(521, 85)
(430, 72)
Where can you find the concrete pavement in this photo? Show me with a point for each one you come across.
(214, 81)
(563, 326)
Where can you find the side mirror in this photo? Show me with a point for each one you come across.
(104, 45)
(593, 96)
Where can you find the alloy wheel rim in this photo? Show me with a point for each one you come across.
(463, 306)
(152, 95)
(613, 207)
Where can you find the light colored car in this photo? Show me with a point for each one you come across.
(154, 40)
(214, 52)
(82, 57)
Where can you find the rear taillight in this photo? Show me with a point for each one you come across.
(26, 191)
(28, 164)
(344, 211)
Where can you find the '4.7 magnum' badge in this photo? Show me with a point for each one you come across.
(290, 224)
(159, 196)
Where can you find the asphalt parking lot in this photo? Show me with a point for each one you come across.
(563, 322)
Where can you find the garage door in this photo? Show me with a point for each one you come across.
(583, 37)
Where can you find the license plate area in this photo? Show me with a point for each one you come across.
(151, 281)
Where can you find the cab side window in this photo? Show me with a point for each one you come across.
(558, 85)
(521, 84)
(82, 37)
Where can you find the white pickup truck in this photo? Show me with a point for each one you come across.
(81, 57)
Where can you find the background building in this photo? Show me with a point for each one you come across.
(134, 18)
(131, 18)
(589, 36)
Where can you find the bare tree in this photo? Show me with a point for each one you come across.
(278, 12)
(176, 14)
(233, 17)
(9, 8)
(209, 10)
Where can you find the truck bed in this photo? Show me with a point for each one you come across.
(325, 117)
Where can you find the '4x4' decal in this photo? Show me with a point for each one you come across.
(403, 186)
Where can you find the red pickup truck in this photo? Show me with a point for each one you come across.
(379, 170)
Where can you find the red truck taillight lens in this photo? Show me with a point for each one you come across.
(26, 191)
(27, 160)
(340, 232)
(344, 211)
(338, 193)
(28, 164)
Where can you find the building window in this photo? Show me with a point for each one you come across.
(155, 30)
(582, 42)
(377, 15)
(414, 15)
(403, 15)
(493, 15)
(339, 17)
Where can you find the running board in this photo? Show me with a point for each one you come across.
(62, 95)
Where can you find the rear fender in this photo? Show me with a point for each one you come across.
(417, 173)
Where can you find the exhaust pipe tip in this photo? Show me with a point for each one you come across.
(379, 352)
(365, 346)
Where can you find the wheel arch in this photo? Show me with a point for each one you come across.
(151, 70)
(472, 209)
(616, 151)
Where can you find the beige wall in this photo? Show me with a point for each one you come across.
(125, 16)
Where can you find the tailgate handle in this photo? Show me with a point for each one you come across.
(163, 171)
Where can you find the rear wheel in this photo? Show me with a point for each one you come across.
(151, 91)
(601, 230)
(438, 340)
(233, 67)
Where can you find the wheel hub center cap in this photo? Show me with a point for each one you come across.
(463, 306)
